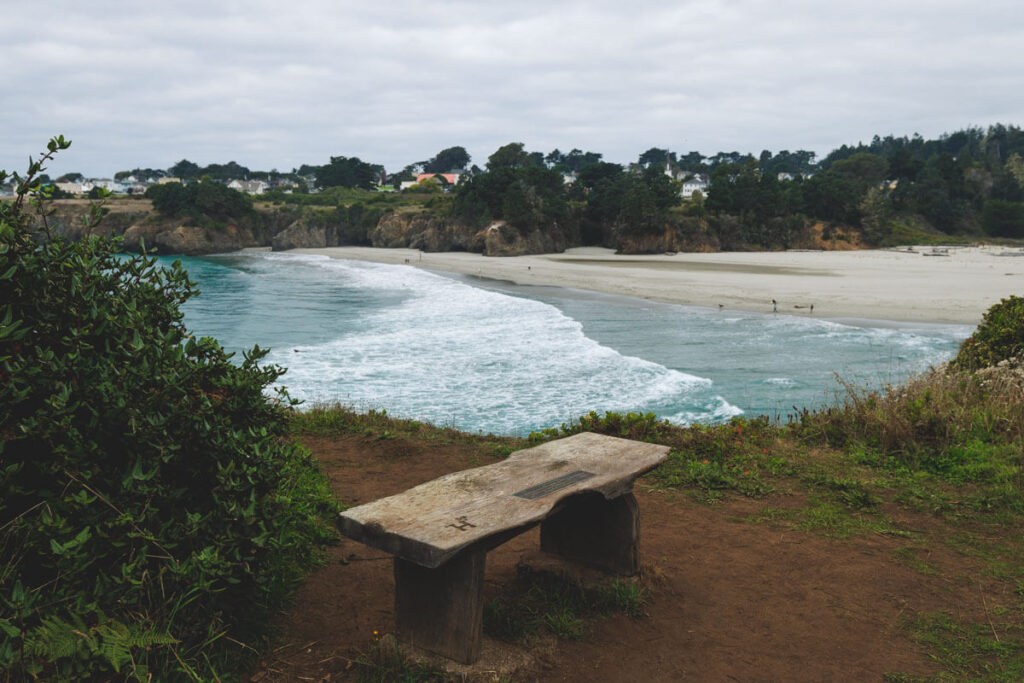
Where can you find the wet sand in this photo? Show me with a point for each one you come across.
(947, 285)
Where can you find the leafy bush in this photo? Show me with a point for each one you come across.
(1000, 336)
(152, 512)
(205, 199)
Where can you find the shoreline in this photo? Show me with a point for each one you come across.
(955, 287)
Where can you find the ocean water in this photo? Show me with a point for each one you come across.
(483, 355)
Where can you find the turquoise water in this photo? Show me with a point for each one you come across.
(489, 356)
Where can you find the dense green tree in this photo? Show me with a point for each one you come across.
(1003, 219)
(864, 168)
(692, 162)
(205, 199)
(577, 160)
(447, 160)
(875, 210)
(655, 157)
(225, 172)
(348, 172)
(600, 187)
(510, 156)
(800, 162)
(185, 169)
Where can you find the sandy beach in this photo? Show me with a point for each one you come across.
(923, 284)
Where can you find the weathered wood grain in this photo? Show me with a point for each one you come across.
(441, 609)
(431, 523)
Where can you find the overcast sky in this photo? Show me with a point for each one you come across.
(274, 84)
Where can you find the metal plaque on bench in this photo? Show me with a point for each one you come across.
(551, 485)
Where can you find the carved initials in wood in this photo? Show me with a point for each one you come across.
(463, 524)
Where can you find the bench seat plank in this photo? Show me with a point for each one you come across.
(431, 523)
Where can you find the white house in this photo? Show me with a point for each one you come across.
(249, 186)
(70, 188)
(697, 183)
(107, 184)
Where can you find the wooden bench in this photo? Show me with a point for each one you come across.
(579, 489)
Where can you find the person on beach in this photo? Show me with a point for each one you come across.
(775, 306)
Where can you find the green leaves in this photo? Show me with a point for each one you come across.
(145, 485)
(999, 337)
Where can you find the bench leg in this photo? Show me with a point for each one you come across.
(597, 532)
(441, 609)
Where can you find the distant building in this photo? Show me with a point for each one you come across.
(448, 178)
(169, 179)
(697, 183)
(70, 188)
(249, 186)
(107, 184)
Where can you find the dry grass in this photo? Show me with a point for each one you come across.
(929, 415)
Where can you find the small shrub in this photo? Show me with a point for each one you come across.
(999, 337)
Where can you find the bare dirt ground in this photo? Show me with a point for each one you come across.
(729, 599)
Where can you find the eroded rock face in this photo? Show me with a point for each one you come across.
(501, 239)
(189, 239)
(301, 235)
(667, 241)
(283, 229)
(425, 232)
(66, 218)
(434, 234)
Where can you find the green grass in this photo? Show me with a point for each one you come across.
(385, 662)
(545, 602)
(327, 420)
(970, 651)
(913, 231)
(910, 557)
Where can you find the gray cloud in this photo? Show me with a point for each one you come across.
(271, 84)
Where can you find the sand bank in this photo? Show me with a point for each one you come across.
(954, 285)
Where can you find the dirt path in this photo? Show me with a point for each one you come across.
(730, 599)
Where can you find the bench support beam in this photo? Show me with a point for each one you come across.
(441, 609)
(597, 532)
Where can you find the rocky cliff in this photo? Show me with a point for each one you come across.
(688, 234)
(136, 221)
(290, 228)
(433, 234)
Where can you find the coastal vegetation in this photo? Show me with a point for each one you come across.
(934, 466)
(153, 512)
(201, 201)
(966, 185)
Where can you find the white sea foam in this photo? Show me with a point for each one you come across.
(499, 357)
(455, 354)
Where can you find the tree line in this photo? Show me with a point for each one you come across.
(967, 183)
(970, 182)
